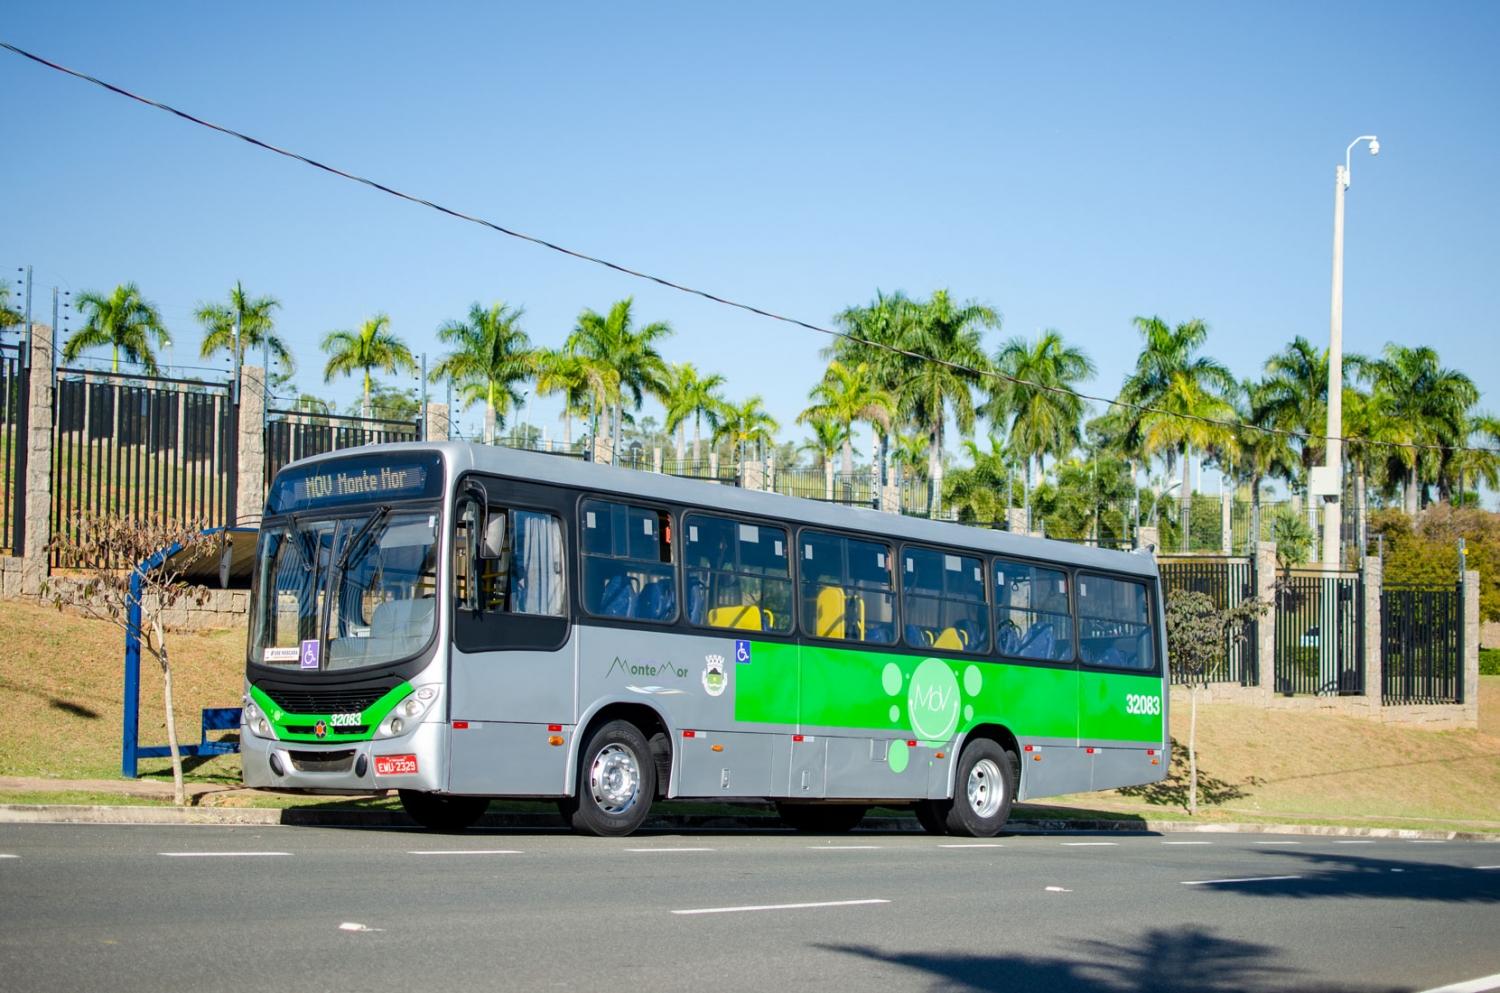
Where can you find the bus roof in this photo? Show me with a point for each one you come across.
(462, 456)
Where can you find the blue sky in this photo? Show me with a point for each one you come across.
(1071, 165)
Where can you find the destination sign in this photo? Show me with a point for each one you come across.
(363, 480)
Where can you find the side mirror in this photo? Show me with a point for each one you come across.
(493, 544)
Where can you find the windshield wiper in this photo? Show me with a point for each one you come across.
(360, 535)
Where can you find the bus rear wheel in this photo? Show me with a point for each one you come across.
(616, 781)
(821, 818)
(983, 789)
(443, 813)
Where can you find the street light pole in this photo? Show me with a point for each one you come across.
(1329, 482)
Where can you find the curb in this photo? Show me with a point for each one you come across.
(17, 813)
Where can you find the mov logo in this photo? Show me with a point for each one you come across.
(932, 700)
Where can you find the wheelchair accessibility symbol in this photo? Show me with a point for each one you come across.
(742, 651)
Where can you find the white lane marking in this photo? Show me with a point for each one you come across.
(466, 851)
(4, 855)
(1359, 842)
(1240, 879)
(669, 849)
(356, 926)
(1089, 844)
(1187, 843)
(1057, 889)
(1426, 841)
(1469, 986)
(778, 906)
(975, 844)
(1278, 842)
(1487, 867)
(842, 848)
(218, 855)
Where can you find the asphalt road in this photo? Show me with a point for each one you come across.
(309, 909)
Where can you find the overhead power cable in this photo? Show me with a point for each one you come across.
(965, 370)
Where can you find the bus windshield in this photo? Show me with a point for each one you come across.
(345, 592)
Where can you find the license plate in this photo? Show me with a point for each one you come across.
(395, 765)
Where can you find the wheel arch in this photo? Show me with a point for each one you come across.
(998, 733)
(648, 719)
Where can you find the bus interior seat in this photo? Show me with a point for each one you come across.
(950, 639)
(969, 633)
(657, 600)
(1038, 643)
(618, 598)
(744, 617)
(917, 635)
(1010, 639)
(697, 599)
(830, 605)
(878, 633)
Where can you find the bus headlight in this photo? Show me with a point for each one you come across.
(408, 712)
(256, 721)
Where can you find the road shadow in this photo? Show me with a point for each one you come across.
(1173, 791)
(1324, 874)
(1183, 960)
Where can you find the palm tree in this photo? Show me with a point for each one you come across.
(947, 336)
(124, 322)
(828, 436)
(745, 424)
(8, 315)
(490, 355)
(874, 331)
(373, 346)
(689, 394)
(980, 492)
(611, 338)
(585, 383)
(1426, 404)
(1044, 419)
(1181, 385)
(257, 327)
(1259, 455)
(1294, 397)
(847, 395)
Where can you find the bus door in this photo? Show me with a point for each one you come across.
(512, 669)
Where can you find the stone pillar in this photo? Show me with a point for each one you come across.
(770, 486)
(1471, 648)
(1265, 592)
(890, 498)
(1374, 580)
(1147, 537)
(1015, 520)
(752, 474)
(38, 481)
(604, 452)
(656, 459)
(1226, 520)
(250, 492)
(713, 464)
(436, 427)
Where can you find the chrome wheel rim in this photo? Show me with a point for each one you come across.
(986, 790)
(615, 779)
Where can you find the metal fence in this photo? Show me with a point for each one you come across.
(1421, 644)
(141, 447)
(855, 488)
(1320, 629)
(293, 435)
(14, 390)
(1228, 583)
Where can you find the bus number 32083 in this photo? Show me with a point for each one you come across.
(1136, 703)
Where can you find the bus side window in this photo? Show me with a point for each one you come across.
(1114, 626)
(1033, 619)
(628, 567)
(847, 590)
(738, 575)
(527, 578)
(943, 601)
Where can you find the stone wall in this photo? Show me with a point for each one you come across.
(1489, 634)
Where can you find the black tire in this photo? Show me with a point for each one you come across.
(983, 789)
(616, 782)
(932, 815)
(443, 813)
(821, 818)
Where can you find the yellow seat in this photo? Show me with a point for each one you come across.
(830, 613)
(949, 639)
(744, 617)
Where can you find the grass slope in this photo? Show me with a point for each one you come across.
(61, 691)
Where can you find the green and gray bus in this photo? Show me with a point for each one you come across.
(462, 622)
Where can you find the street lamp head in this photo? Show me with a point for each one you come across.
(1374, 146)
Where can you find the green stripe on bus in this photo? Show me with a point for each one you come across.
(370, 717)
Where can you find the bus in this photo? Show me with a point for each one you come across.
(463, 622)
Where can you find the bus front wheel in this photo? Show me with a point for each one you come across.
(443, 813)
(983, 789)
(616, 781)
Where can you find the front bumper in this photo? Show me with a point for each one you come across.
(345, 767)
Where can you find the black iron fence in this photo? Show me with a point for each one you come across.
(293, 435)
(142, 447)
(1421, 644)
(14, 397)
(856, 488)
(1320, 627)
(1228, 582)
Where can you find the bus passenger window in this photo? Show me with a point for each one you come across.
(1033, 619)
(627, 561)
(846, 589)
(528, 576)
(1114, 626)
(943, 601)
(738, 575)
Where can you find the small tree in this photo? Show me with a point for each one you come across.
(107, 551)
(1198, 634)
